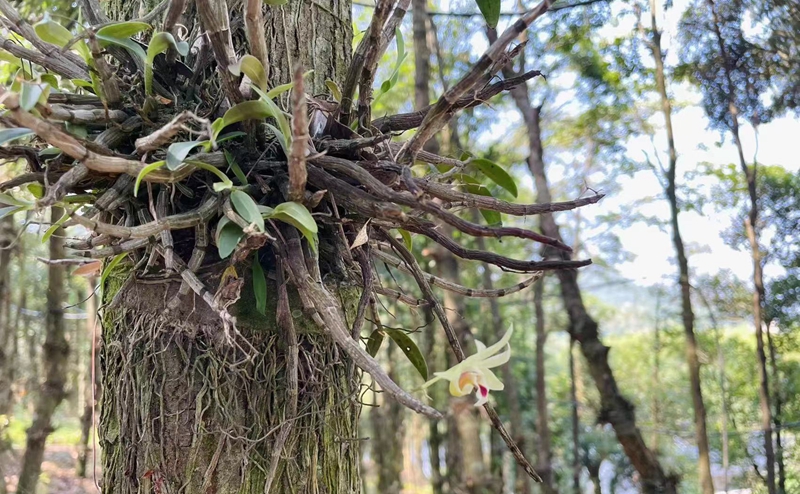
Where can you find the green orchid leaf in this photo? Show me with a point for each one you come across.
(30, 94)
(177, 152)
(8, 135)
(374, 342)
(227, 237)
(490, 10)
(110, 267)
(123, 29)
(143, 173)
(126, 43)
(411, 350)
(259, 285)
(296, 215)
(235, 168)
(247, 208)
(496, 174)
(253, 69)
(158, 44)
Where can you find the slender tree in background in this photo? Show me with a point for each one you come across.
(55, 357)
(91, 388)
(544, 452)
(7, 237)
(616, 410)
(692, 359)
(729, 71)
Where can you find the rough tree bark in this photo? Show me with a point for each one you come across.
(751, 229)
(700, 430)
(616, 410)
(55, 355)
(182, 409)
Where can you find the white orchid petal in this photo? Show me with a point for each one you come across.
(488, 352)
(496, 360)
(482, 399)
(491, 381)
(480, 346)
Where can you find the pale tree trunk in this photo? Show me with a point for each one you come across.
(616, 410)
(55, 358)
(544, 455)
(751, 228)
(182, 408)
(701, 434)
(92, 385)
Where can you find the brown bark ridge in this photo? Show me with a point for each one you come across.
(55, 355)
(544, 454)
(616, 410)
(751, 225)
(696, 391)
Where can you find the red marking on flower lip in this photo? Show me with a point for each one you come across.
(483, 390)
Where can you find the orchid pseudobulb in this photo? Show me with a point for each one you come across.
(474, 372)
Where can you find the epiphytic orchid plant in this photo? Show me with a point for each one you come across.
(474, 372)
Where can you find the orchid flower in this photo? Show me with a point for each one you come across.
(473, 373)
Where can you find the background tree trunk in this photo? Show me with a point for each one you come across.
(6, 239)
(751, 229)
(55, 357)
(701, 434)
(616, 410)
(544, 455)
(92, 387)
(388, 433)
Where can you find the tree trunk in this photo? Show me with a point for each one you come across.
(544, 456)
(55, 357)
(497, 326)
(435, 436)
(701, 435)
(657, 375)
(616, 410)
(388, 433)
(182, 409)
(576, 422)
(751, 228)
(6, 239)
(773, 361)
(92, 386)
(467, 471)
(594, 476)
